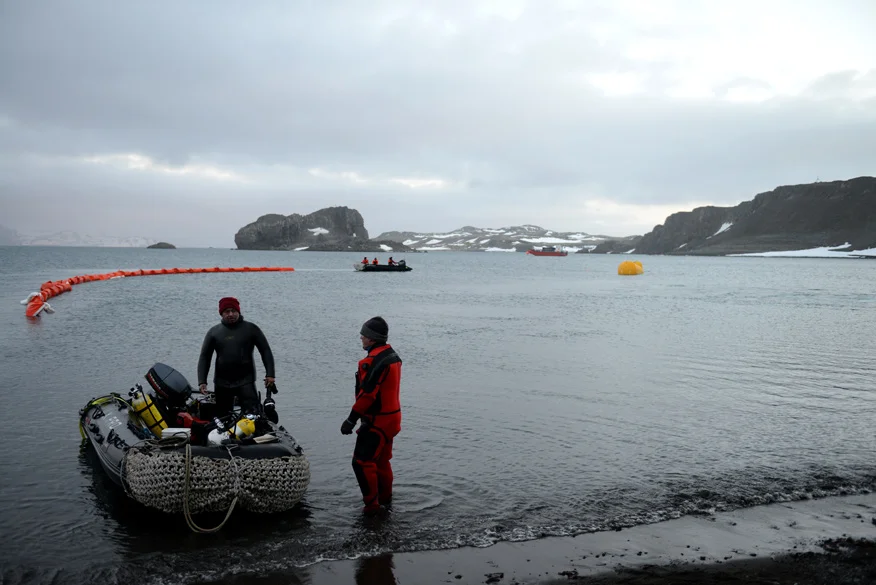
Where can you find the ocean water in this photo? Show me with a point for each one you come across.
(540, 396)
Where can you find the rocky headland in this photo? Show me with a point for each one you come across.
(792, 217)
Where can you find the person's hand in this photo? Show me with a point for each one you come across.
(347, 427)
(268, 381)
(203, 388)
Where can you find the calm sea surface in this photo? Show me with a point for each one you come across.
(541, 396)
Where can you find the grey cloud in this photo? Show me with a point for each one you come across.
(189, 213)
(742, 83)
(498, 106)
(839, 83)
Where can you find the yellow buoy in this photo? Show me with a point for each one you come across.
(630, 268)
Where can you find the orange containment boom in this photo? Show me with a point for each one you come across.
(37, 301)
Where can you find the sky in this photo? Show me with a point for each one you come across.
(185, 121)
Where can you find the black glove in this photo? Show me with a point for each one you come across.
(347, 427)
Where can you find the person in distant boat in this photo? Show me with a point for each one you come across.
(391, 262)
(365, 260)
(233, 340)
(374, 261)
(377, 406)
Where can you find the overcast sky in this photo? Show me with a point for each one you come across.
(186, 120)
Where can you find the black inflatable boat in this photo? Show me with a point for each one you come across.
(174, 452)
(400, 267)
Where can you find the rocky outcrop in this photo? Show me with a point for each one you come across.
(792, 217)
(324, 229)
(162, 246)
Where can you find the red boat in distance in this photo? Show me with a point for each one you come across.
(547, 251)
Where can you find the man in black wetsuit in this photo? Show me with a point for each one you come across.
(233, 340)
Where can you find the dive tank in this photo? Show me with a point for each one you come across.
(244, 427)
(216, 437)
(145, 408)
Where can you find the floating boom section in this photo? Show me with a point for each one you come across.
(37, 301)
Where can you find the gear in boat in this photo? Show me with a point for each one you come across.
(173, 452)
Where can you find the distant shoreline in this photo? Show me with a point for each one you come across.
(823, 252)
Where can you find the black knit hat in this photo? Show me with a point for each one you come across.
(375, 328)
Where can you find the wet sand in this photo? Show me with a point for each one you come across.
(832, 540)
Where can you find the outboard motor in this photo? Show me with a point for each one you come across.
(170, 386)
(170, 392)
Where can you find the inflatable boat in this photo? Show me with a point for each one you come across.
(547, 251)
(176, 453)
(400, 267)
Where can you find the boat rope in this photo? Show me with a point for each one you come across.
(189, 520)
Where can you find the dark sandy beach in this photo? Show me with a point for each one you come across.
(812, 542)
(843, 561)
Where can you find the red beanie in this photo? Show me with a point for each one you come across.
(228, 303)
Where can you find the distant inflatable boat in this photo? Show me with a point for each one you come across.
(400, 267)
(547, 251)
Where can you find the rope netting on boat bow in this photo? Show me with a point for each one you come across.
(174, 481)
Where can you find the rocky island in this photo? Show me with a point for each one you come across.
(162, 246)
(333, 229)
